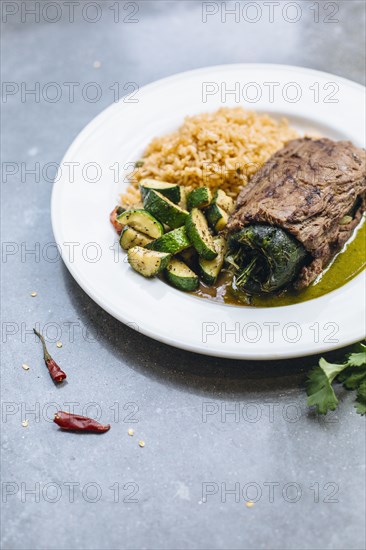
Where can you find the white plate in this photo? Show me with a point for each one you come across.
(328, 104)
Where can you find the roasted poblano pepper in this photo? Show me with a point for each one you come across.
(264, 258)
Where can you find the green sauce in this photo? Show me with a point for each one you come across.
(346, 265)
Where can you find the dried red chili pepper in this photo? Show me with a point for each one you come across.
(77, 423)
(56, 373)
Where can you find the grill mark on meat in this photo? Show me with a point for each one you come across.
(307, 188)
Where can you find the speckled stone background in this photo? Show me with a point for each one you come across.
(64, 491)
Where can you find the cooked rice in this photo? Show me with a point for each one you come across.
(222, 149)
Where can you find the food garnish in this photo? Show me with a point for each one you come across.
(57, 374)
(351, 373)
(77, 423)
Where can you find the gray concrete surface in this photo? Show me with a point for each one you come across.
(305, 474)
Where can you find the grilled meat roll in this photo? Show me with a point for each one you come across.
(296, 213)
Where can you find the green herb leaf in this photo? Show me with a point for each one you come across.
(319, 386)
(358, 359)
(320, 392)
(352, 377)
(352, 374)
(361, 399)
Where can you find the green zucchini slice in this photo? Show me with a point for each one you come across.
(199, 198)
(224, 201)
(210, 269)
(173, 242)
(130, 237)
(169, 190)
(199, 234)
(179, 275)
(165, 210)
(143, 222)
(183, 198)
(189, 256)
(217, 217)
(147, 262)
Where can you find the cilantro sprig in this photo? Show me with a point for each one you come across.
(351, 373)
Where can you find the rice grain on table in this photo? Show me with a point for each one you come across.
(222, 149)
